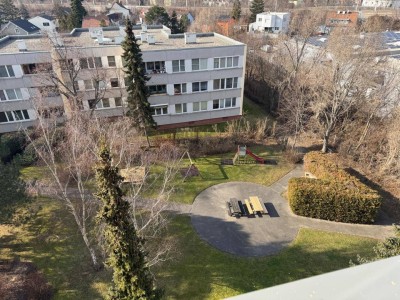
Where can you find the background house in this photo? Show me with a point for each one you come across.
(273, 22)
(118, 13)
(19, 27)
(44, 22)
(340, 18)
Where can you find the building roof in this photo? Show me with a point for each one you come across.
(119, 4)
(81, 38)
(47, 17)
(377, 280)
(94, 21)
(25, 25)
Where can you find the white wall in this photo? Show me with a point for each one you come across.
(38, 21)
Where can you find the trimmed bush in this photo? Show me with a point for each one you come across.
(335, 195)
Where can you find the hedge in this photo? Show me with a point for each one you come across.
(335, 195)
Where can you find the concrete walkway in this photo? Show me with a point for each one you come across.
(265, 235)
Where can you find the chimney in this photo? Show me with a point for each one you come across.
(100, 39)
(190, 38)
(144, 27)
(21, 45)
(151, 39)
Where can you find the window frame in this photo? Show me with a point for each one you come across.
(7, 69)
(182, 108)
(200, 64)
(200, 104)
(181, 66)
(222, 62)
(111, 63)
(200, 83)
(222, 103)
(182, 88)
(114, 81)
(159, 90)
(16, 116)
(162, 109)
(4, 95)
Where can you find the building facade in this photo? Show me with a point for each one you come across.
(44, 22)
(273, 22)
(195, 79)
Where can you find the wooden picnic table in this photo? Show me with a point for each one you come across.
(257, 204)
(249, 208)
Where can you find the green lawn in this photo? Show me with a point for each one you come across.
(212, 172)
(202, 272)
(52, 242)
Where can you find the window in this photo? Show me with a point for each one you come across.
(226, 62)
(180, 88)
(17, 30)
(225, 83)
(88, 84)
(199, 64)
(12, 116)
(52, 111)
(99, 84)
(178, 65)
(49, 91)
(224, 103)
(160, 110)
(111, 61)
(199, 86)
(259, 19)
(36, 68)
(90, 62)
(180, 108)
(114, 82)
(102, 103)
(6, 71)
(46, 24)
(157, 89)
(155, 67)
(118, 101)
(11, 94)
(200, 106)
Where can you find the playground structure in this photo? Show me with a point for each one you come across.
(189, 171)
(241, 156)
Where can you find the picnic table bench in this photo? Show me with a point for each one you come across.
(257, 205)
(249, 208)
(234, 208)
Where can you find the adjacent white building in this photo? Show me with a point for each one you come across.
(195, 79)
(381, 3)
(274, 22)
(44, 22)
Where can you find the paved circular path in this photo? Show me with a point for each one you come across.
(264, 235)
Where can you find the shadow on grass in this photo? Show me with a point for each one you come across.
(389, 212)
(203, 272)
(53, 243)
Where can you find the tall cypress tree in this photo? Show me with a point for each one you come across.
(184, 23)
(78, 12)
(236, 10)
(174, 25)
(8, 11)
(138, 93)
(131, 276)
(257, 7)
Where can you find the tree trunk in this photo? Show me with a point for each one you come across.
(325, 144)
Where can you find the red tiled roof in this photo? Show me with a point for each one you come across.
(94, 21)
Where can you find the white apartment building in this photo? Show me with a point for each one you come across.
(274, 22)
(381, 3)
(195, 79)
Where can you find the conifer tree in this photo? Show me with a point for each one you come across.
(257, 7)
(23, 12)
(184, 23)
(174, 26)
(8, 11)
(131, 276)
(138, 93)
(78, 12)
(236, 10)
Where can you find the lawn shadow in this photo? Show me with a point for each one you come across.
(203, 271)
(389, 212)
